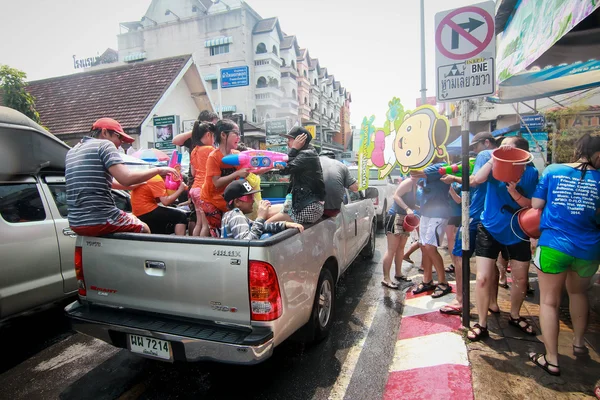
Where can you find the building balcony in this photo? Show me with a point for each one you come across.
(304, 112)
(289, 70)
(268, 97)
(337, 127)
(288, 107)
(266, 62)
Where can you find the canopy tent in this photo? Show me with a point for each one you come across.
(455, 148)
(533, 65)
(507, 130)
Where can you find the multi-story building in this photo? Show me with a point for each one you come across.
(284, 81)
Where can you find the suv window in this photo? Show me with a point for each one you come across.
(59, 193)
(21, 202)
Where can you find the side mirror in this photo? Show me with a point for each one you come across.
(371, 193)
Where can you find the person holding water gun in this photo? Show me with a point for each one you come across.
(219, 174)
(202, 143)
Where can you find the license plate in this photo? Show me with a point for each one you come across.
(150, 347)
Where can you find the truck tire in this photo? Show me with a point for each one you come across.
(321, 317)
(369, 250)
(381, 221)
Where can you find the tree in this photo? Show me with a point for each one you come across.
(15, 95)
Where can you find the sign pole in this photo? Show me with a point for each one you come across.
(423, 74)
(219, 87)
(466, 201)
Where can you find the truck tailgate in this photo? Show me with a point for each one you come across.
(198, 278)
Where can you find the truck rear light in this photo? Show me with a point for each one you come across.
(265, 297)
(79, 271)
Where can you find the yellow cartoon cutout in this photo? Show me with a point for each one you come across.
(409, 139)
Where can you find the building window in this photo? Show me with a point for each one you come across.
(273, 82)
(261, 83)
(214, 84)
(305, 100)
(275, 50)
(282, 62)
(254, 115)
(293, 64)
(261, 48)
(304, 72)
(283, 91)
(316, 106)
(221, 49)
(316, 82)
(294, 96)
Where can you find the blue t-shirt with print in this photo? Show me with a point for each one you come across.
(478, 192)
(500, 207)
(435, 194)
(569, 220)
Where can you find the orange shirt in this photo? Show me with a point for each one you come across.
(198, 159)
(215, 167)
(143, 197)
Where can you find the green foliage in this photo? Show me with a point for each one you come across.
(15, 94)
(565, 136)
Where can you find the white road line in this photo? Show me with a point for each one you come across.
(341, 384)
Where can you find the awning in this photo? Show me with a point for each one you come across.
(507, 130)
(135, 57)
(211, 77)
(218, 41)
(548, 82)
(226, 108)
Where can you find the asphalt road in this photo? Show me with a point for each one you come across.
(43, 358)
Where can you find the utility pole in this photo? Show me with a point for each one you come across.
(423, 75)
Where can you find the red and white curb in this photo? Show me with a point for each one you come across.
(430, 357)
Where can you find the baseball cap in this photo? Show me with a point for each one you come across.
(237, 189)
(112, 125)
(481, 137)
(297, 131)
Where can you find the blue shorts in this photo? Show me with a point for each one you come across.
(457, 251)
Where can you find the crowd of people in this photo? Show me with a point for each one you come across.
(566, 254)
(225, 200)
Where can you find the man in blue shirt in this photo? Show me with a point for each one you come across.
(482, 145)
(500, 232)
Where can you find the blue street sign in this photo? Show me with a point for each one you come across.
(235, 77)
(534, 122)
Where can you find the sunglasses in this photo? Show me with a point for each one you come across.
(249, 198)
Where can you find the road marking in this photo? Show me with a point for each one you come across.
(429, 351)
(133, 393)
(341, 384)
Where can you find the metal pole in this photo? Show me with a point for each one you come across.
(219, 89)
(466, 251)
(423, 74)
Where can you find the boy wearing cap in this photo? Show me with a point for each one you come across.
(90, 167)
(239, 196)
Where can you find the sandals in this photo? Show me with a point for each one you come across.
(473, 336)
(581, 351)
(408, 260)
(503, 285)
(424, 287)
(389, 285)
(494, 312)
(441, 289)
(524, 328)
(536, 357)
(451, 310)
(401, 278)
(450, 269)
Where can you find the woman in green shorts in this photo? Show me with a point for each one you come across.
(569, 248)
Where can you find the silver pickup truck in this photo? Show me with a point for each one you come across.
(36, 244)
(233, 301)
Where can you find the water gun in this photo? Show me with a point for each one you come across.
(456, 169)
(172, 183)
(256, 159)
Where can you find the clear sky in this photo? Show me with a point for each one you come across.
(371, 46)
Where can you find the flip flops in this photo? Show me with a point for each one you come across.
(408, 260)
(402, 279)
(451, 310)
(450, 269)
(389, 285)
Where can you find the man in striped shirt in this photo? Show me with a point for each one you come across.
(90, 168)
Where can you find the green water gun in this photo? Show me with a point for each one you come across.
(456, 169)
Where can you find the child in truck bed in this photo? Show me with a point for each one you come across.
(239, 197)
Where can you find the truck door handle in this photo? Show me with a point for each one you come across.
(69, 232)
(156, 265)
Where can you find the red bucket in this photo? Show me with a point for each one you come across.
(410, 223)
(529, 221)
(509, 163)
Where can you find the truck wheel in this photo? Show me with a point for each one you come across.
(369, 250)
(381, 219)
(323, 307)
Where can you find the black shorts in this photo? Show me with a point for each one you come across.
(162, 220)
(455, 221)
(488, 247)
(393, 223)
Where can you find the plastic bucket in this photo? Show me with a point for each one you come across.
(509, 163)
(410, 223)
(529, 221)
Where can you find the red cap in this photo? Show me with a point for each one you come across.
(112, 125)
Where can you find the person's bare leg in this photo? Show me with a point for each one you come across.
(518, 291)
(578, 305)
(502, 264)
(399, 256)
(202, 228)
(451, 235)
(436, 260)
(180, 229)
(280, 217)
(486, 270)
(550, 291)
(191, 227)
(458, 274)
(494, 290)
(413, 247)
(274, 210)
(392, 245)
